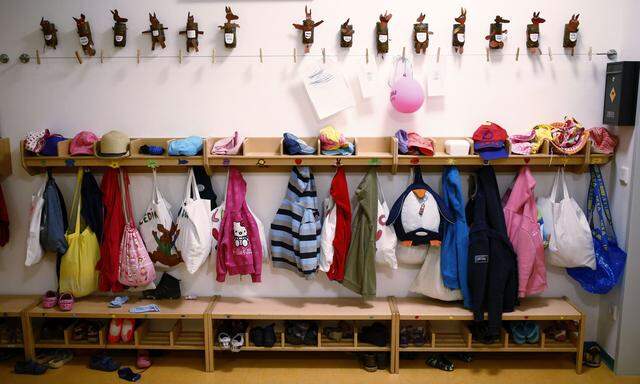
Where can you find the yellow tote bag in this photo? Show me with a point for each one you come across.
(78, 274)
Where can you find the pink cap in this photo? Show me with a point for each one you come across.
(82, 143)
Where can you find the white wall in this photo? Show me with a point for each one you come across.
(159, 97)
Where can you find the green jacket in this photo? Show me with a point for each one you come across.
(360, 269)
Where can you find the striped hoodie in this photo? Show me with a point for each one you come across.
(295, 230)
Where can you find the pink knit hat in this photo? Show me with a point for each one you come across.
(82, 143)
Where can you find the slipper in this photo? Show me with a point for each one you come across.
(224, 340)
(65, 302)
(103, 363)
(118, 301)
(127, 330)
(49, 300)
(440, 362)
(128, 375)
(592, 357)
(115, 329)
(62, 357)
(237, 342)
(143, 361)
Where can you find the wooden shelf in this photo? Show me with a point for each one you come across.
(5, 158)
(13, 306)
(266, 154)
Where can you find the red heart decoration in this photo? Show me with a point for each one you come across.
(415, 160)
(298, 161)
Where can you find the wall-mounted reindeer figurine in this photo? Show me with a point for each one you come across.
(119, 30)
(533, 31)
(50, 33)
(496, 35)
(84, 33)
(156, 29)
(382, 33)
(346, 34)
(229, 28)
(307, 27)
(421, 34)
(192, 33)
(458, 31)
(571, 32)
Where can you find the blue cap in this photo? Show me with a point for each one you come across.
(50, 147)
(492, 150)
(293, 145)
(189, 146)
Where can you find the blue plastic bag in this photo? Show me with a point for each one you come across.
(610, 259)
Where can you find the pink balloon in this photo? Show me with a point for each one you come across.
(407, 95)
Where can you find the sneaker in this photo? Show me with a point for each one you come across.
(440, 362)
(404, 337)
(103, 363)
(29, 368)
(369, 362)
(269, 336)
(311, 337)
(167, 288)
(256, 336)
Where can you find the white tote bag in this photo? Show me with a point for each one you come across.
(570, 241)
(158, 230)
(327, 235)
(34, 249)
(429, 282)
(194, 226)
(386, 239)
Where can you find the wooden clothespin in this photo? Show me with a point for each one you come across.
(138, 56)
(78, 57)
(261, 61)
(180, 56)
(102, 56)
(550, 55)
(590, 53)
(213, 56)
(438, 56)
(518, 54)
(295, 59)
(324, 57)
(38, 56)
(366, 55)
(403, 52)
(487, 49)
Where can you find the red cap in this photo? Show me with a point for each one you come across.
(490, 132)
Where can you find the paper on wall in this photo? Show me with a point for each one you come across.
(328, 90)
(436, 80)
(367, 80)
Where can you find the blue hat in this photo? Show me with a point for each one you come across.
(403, 141)
(189, 146)
(50, 147)
(293, 145)
(491, 150)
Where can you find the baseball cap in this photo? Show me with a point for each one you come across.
(50, 147)
(82, 143)
(489, 141)
(189, 146)
(293, 145)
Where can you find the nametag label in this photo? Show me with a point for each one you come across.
(155, 33)
(119, 38)
(307, 34)
(534, 37)
(383, 38)
(499, 38)
(573, 36)
(481, 259)
(48, 37)
(421, 37)
(228, 38)
(191, 34)
(347, 39)
(84, 40)
(460, 37)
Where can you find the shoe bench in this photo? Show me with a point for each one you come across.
(447, 327)
(174, 315)
(324, 311)
(16, 307)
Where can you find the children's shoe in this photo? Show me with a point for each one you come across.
(167, 288)
(369, 362)
(115, 329)
(518, 332)
(224, 340)
(49, 300)
(440, 362)
(404, 337)
(93, 332)
(532, 331)
(29, 368)
(61, 357)
(237, 342)
(256, 336)
(592, 356)
(143, 360)
(103, 363)
(128, 375)
(382, 360)
(65, 302)
(311, 337)
(418, 337)
(269, 336)
(126, 335)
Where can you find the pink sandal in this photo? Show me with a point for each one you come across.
(143, 361)
(65, 302)
(49, 300)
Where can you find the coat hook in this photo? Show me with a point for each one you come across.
(590, 53)
(261, 56)
(4, 58)
(438, 56)
(78, 57)
(102, 56)
(573, 51)
(550, 55)
(518, 54)
(403, 52)
(38, 56)
(324, 57)
(295, 59)
(487, 49)
(180, 56)
(366, 55)
(213, 56)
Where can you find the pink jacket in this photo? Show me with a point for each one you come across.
(239, 246)
(521, 216)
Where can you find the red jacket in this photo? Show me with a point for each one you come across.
(340, 193)
(112, 233)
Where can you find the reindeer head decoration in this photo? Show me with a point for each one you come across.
(84, 33)
(458, 31)
(156, 29)
(50, 33)
(421, 34)
(229, 28)
(382, 33)
(496, 35)
(346, 34)
(307, 27)
(192, 33)
(571, 32)
(533, 31)
(119, 29)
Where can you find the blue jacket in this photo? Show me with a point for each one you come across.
(455, 242)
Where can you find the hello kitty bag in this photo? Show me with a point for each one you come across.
(193, 241)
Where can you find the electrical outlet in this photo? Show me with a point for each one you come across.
(625, 175)
(613, 312)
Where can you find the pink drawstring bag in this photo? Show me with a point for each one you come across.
(228, 145)
(135, 266)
